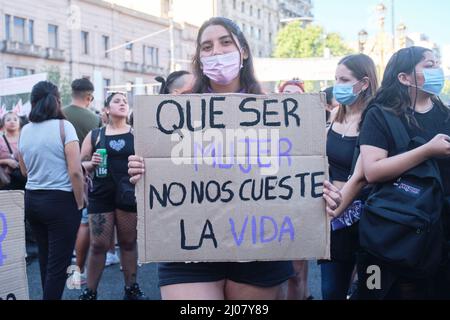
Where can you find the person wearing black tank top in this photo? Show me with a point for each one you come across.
(356, 83)
(410, 89)
(111, 199)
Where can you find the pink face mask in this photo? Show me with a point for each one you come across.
(222, 69)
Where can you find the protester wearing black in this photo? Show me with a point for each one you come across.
(409, 92)
(49, 154)
(356, 84)
(111, 200)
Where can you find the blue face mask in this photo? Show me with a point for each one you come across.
(343, 93)
(434, 81)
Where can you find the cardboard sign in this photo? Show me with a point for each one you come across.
(13, 275)
(231, 177)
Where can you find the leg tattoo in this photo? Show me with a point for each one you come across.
(98, 222)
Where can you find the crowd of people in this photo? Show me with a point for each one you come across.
(388, 149)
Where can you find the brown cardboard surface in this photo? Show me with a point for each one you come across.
(294, 228)
(156, 144)
(13, 276)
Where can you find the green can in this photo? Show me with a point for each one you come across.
(102, 169)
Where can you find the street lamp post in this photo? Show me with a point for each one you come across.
(381, 10)
(362, 39)
(401, 32)
(172, 44)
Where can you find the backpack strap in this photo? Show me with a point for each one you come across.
(398, 130)
(95, 138)
(62, 132)
(403, 142)
(356, 154)
(7, 144)
(102, 138)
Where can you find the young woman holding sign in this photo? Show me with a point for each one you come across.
(111, 200)
(222, 64)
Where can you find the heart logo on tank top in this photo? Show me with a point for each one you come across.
(117, 144)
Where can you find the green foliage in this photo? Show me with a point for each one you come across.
(445, 95)
(63, 83)
(293, 41)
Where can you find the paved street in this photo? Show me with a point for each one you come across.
(111, 284)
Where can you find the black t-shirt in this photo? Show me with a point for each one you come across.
(375, 132)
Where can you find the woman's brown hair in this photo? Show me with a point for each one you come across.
(361, 66)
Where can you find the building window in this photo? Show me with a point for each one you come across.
(151, 56)
(85, 42)
(106, 45)
(31, 31)
(7, 27)
(106, 85)
(234, 4)
(270, 37)
(259, 34)
(19, 29)
(52, 36)
(242, 7)
(13, 72)
(252, 31)
(259, 53)
(259, 13)
(269, 17)
(251, 11)
(243, 27)
(129, 52)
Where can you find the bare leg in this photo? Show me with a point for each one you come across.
(194, 291)
(298, 285)
(82, 245)
(240, 291)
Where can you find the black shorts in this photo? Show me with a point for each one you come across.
(105, 196)
(260, 274)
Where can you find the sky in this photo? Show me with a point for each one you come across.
(348, 17)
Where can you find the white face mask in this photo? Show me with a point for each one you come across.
(222, 69)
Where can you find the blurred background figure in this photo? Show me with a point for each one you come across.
(178, 82)
(297, 286)
(292, 86)
(331, 102)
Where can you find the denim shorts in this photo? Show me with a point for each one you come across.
(260, 274)
(84, 216)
